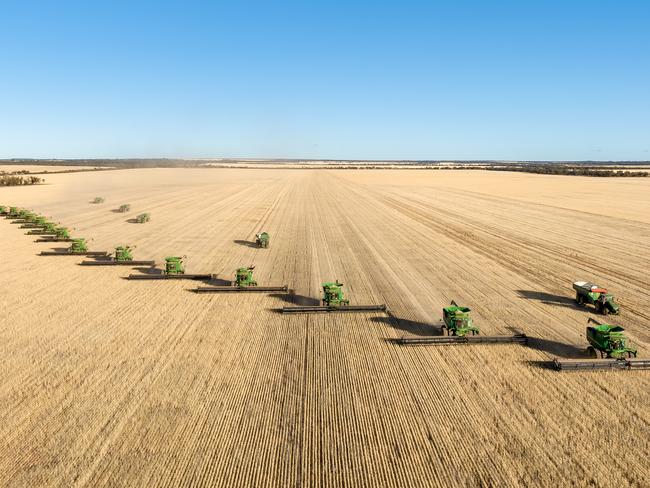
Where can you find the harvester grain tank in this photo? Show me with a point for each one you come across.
(615, 349)
(123, 257)
(244, 282)
(460, 328)
(588, 293)
(334, 300)
(174, 270)
(262, 239)
(79, 247)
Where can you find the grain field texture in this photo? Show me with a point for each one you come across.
(109, 382)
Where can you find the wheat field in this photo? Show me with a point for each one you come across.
(109, 382)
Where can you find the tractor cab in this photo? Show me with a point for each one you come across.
(333, 294)
(458, 320)
(244, 277)
(123, 253)
(174, 265)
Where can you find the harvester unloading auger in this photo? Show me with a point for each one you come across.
(244, 282)
(615, 349)
(174, 270)
(334, 301)
(79, 247)
(460, 328)
(123, 257)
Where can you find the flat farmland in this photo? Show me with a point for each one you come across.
(109, 382)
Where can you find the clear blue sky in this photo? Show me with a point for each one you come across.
(326, 79)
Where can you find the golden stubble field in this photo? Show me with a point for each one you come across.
(110, 382)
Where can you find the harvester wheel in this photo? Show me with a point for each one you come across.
(591, 352)
(444, 330)
(578, 299)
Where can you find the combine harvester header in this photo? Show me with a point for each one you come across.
(458, 324)
(174, 270)
(334, 301)
(244, 282)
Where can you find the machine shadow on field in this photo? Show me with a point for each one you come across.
(411, 326)
(556, 348)
(294, 299)
(132, 221)
(245, 243)
(148, 271)
(547, 298)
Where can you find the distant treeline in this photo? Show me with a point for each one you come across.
(551, 169)
(14, 180)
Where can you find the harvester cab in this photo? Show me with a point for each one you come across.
(123, 253)
(609, 340)
(457, 321)
(78, 245)
(262, 239)
(588, 293)
(244, 277)
(333, 294)
(174, 265)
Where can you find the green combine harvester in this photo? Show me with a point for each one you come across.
(79, 247)
(174, 270)
(124, 208)
(244, 282)
(44, 228)
(123, 257)
(588, 293)
(262, 239)
(460, 328)
(98, 200)
(334, 300)
(60, 234)
(4, 210)
(615, 350)
(14, 213)
(142, 218)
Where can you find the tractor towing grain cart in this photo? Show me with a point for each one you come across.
(174, 270)
(142, 218)
(334, 301)
(460, 329)
(615, 349)
(123, 257)
(124, 208)
(588, 293)
(98, 200)
(79, 247)
(244, 282)
(262, 239)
